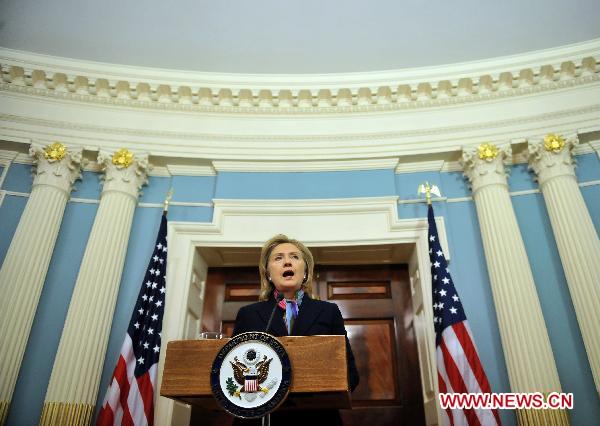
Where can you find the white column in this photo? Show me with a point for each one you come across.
(24, 269)
(576, 237)
(73, 387)
(525, 342)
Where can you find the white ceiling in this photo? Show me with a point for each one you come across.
(293, 36)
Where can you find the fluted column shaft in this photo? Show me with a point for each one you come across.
(26, 263)
(72, 391)
(525, 341)
(576, 237)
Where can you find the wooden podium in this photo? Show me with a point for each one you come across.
(319, 372)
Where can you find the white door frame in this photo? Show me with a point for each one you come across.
(330, 222)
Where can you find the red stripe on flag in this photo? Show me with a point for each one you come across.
(106, 416)
(456, 381)
(147, 396)
(444, 389)
(124, 385)
(464, 337)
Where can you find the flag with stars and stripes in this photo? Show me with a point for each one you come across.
(130, 396)
(458, 365)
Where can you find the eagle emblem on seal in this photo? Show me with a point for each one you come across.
(251, 376)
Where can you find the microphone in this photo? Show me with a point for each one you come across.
(278, 299)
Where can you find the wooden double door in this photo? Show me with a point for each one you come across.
(375, 302)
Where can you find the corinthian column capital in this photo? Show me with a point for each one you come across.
(552, 157)
(485, 165)
(124, 171)
(56, 165)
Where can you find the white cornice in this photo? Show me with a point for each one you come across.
(189, 170)
(513, 63)
(595, 145)
(66, 79)
(306, 205)
(6, 157)
(306, 166)
(22, 158)
(420, 166)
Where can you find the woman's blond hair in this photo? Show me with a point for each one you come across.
(266, 286)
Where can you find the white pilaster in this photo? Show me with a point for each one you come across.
(73, 386)
(576, 238)
(26, 263)
(525, 342)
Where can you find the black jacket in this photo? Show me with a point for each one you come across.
(315, 317)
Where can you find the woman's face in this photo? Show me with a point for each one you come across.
(286, 268)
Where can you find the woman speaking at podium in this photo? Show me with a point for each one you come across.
(287, 308)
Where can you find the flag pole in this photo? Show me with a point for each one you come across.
(167, 201)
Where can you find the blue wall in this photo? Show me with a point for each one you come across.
(467, 264)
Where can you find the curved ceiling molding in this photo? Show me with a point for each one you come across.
(518, 75)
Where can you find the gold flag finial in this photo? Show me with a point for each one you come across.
(168, 200)
(428, 189)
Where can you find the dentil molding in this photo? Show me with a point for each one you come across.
(83, 81)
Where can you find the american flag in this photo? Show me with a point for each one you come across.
(129, 399)
(458, 365)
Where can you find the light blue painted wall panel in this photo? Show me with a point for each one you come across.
(190, 214)
(367, 183)
(412, 211)
(10, 214)
(591, 196)
(520, 179)
(50, 316)
(559, 315)
(156, 190)
(193, 188)
(455, 185)
(18, 178)
(88, 187)
(588, 167)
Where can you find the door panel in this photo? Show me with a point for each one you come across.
(375, 302)
(373, 348)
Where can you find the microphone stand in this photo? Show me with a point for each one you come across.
(278, 299)
(266, 420)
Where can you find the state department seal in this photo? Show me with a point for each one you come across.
(251, 375)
